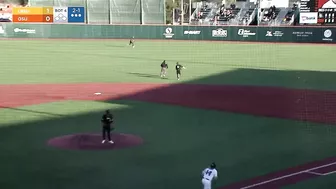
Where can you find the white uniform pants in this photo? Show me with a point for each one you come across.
(206, 184)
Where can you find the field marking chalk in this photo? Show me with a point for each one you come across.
(329, 173)
(315, 173)
(286, 176)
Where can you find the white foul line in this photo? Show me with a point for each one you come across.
(289, 175)
(329, 173)
(315, 173)
(321, 174)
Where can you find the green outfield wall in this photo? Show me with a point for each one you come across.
(228, 33)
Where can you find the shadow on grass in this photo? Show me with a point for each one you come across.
(173, 136)
(144, 75)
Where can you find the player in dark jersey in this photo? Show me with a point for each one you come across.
(178, 68)
(132, 42)
(164, 67)
(107, 120)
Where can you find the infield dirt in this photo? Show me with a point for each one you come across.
(304, 105)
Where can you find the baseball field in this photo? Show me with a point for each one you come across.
(265, 113)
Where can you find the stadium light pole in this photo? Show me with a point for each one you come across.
(109, 11)
(190, 11)
(173, 13)
(182, 12)
(86, 12)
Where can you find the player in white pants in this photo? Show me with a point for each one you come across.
(208, 175)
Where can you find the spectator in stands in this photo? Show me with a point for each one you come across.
(265, 18)
(295, 6)
(288, 17)
(269, 14)
(245, 21)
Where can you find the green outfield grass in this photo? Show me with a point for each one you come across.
(107, 61)
(177, 149)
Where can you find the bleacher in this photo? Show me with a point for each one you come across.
(202, 14)
(289, 18)
(245, 19)
(5, 12)
(226, 14)
(269, 15)
(153, 12)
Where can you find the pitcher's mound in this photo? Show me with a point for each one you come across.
(94, 142)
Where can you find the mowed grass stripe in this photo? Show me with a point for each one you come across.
(113, 61)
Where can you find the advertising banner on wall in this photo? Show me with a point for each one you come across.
(168, 33)
(219, 32)
(308, 18)
(246, 33)
(325, 10)
(329, 35)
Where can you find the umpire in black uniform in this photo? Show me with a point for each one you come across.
(107, 121)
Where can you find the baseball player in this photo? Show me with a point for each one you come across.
(164, 67)
(178, 68)
(107, 120)
(208, 175)
(132, 42)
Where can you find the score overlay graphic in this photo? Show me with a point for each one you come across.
(76, 15)
(60, 14)
(49, 14)
(318, 12)
(32, 14)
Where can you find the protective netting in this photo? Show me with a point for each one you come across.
(114, 11)
(125, 11)
(153, 11)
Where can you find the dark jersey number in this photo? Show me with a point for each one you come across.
(208, 172)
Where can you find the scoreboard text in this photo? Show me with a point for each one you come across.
(48, 14)
(317, 12)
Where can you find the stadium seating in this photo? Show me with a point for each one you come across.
(5, 13)
(226, 14)
(290, 15)
(153, 12)
(204, 14)
(247, 17)
(113, 11)
(268, 15)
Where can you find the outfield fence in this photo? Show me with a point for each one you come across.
(213, 33)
